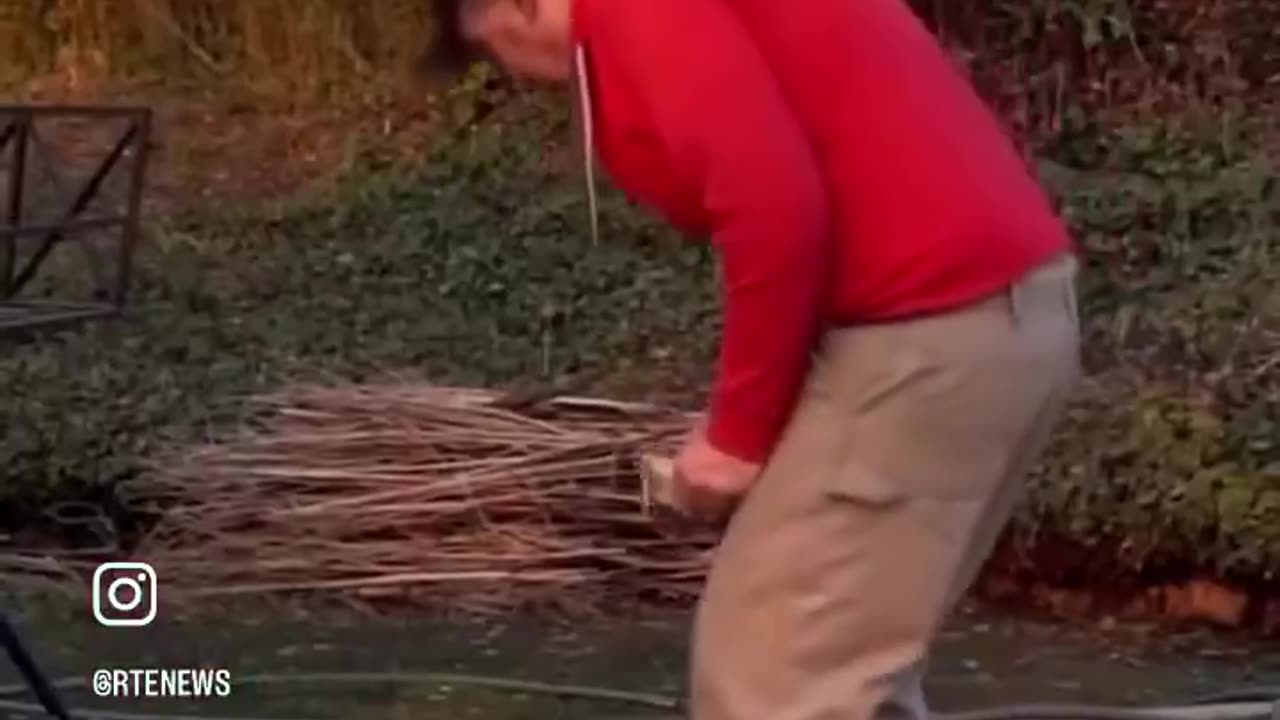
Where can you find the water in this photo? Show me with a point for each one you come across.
(982, 659)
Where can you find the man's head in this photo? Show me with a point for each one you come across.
(531, 39)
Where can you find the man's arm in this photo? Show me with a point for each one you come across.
(727, 126)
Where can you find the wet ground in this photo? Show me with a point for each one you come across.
(983, 659)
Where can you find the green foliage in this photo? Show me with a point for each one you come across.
(1173, 451)
(1049, 63)
(477, 270)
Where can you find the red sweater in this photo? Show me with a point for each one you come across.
(843, 170)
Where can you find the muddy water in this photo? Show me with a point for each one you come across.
(983, 659)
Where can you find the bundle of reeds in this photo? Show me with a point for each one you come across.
(421, 492)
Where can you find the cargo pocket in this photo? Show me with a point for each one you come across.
(875, 390)
(855, 482)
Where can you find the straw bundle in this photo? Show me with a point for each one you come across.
(418, 492)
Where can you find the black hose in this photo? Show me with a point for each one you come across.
(1237, 710)
(1260, 693)
(1198, 708)
(31, 672)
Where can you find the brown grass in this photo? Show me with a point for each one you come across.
(1035, 56)
(416, 492)
(315, 49)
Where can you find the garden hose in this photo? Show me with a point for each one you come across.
(1269, 710)
(1259, 703)
(1261, 693)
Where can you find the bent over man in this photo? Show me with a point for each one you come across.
(900, 327)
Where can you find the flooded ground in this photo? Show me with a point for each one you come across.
(984, 659)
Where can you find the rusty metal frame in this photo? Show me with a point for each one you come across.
(17, 134)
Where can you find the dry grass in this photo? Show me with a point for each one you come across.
(1034, 57)
(410, 491)
(295, 48)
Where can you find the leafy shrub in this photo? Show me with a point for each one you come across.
(476, 270)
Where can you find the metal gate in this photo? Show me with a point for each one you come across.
(67, 238)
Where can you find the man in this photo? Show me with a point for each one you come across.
(899, 319)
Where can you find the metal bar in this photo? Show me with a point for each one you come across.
(82, 201)
(132, 228)
(31, 317)
(71, 226)
(93, 259)
(8, 252)
(21, 121)
(9, 131)
(17, 180)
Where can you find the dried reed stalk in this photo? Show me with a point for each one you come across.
(422, 493)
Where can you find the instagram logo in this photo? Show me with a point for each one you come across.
(124, 594)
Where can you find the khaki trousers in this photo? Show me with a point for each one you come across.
(889, 489)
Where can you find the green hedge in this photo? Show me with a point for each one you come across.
(1171, 457)
(479, 269)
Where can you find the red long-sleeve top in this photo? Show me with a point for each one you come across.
(842, 169)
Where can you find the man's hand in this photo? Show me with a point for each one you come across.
(709, 483)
